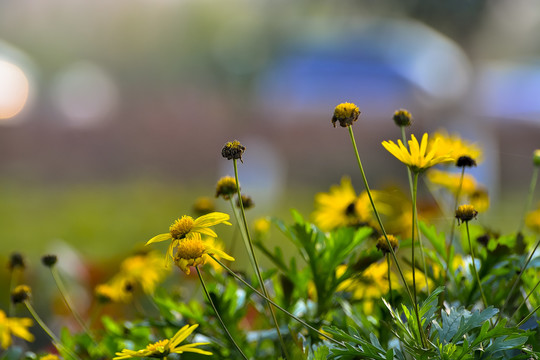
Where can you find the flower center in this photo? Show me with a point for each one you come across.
(190, 249)
(181, 227)
(160, 348)
(350, 210)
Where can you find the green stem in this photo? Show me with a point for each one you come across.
(389, 281)
(56, 342)
(526, 298)
(251, 250)
(411, 298)
(528, 316)
(377, 216)
(217, 314)
(474, 266)
(530, 196)
(67, 301)
(516, 281)
(411, 188)
(237, 277)
(452, 229)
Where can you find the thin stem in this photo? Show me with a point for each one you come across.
(411, 188)
(217, 314)
(452, 229)
(411, 298)
(516, 281)
(528, 316)
(377, 216)
(67, 300)
(389, 282)
(237, 277)
(526, 298)
(251, 251)
(474, 266)
(530, 196)
(55, 340)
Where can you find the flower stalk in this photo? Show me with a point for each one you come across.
(217, 314)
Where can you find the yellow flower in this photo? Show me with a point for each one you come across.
(402, 118)
(346, 114)
(382, 244)
(533, 220)
(203, 205)
(479, 199)
(454, 146)
(341, 207)
(165, 347)
(466, 213)
(418, 158)
(186, 227)
(148, 270)
(261, 226)
(450, 181)
(117, 290)
(226, 187)
(49, 357)
(194, 251)
(14, 326)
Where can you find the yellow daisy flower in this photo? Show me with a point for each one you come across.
(341, 207)
(148, 270)
(454, 146)
(165, 347)
(418, 158)
(49, 357)
(117, 290)
(450, 181)
(533, 220)
(14, 326)
(186, 227)
(194, 251)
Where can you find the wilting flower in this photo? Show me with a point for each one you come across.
(454, 146)
(163, 348)
(14, 326)
(233, 150)
(186, 227)
(341, 207)
(346, 114)
(418, 158)
(194, 252)
(21, 293)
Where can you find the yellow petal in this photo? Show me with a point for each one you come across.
(211, 219)
(159, 238)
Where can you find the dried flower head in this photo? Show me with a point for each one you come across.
(233, 150)
(346, 114)
(16, 261)
(49, 260)
(536, 157)
(226, 187)
(402, 118)
(465, 213)
(382, 244)
(20, 294)
(465, 161)
(247, 202)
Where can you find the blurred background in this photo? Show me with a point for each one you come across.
(113, 113)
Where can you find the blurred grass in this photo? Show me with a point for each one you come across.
(103, 220)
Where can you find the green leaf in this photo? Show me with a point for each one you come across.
(321, 353)
(438, 241)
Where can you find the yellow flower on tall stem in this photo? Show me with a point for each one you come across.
(194, 251)
(145, 269)
(14, 326)
(163, 348)
(443, 143)
(186, 227)
(418, 158)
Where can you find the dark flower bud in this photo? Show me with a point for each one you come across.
(402, 118)
(16, 260)
(465, 161)
(20, 294)
(49, 260)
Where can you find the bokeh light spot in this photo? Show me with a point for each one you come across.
(14, 90)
